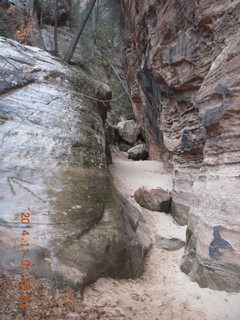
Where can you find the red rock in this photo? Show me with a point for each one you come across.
(182, 64)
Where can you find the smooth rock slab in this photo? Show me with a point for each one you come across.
(156, 199)
(53, 165)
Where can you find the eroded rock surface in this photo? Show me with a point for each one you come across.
(182, 66)
(53, 166)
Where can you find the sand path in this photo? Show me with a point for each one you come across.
(163, 292)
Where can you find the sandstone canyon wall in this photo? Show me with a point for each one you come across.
(182, 63)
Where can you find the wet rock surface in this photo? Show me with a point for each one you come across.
(182, 66)
(156, 199)
(139, 152)
(53, 166)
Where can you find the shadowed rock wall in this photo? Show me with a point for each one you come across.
(182, 63)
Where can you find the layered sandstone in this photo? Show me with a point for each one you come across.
(182, 63)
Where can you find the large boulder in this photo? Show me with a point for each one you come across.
(138, 152)
(156, 199)
(129, 131)
(53, 169)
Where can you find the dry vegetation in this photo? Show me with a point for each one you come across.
(47, 303)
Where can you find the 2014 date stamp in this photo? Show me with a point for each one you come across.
(25, 262)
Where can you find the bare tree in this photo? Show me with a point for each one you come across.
(79, 30)
(31, 10)
(55, 27)
(30, 7)
(94, 26)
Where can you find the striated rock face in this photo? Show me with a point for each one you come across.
(182, 62)
(53, 166)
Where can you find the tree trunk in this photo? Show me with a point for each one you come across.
(30, 8)
(94, 23)
(94, 26)
(55, 27)
(79, 31)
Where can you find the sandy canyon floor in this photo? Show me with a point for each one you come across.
(162, 293)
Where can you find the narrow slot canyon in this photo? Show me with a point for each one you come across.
(120, 159)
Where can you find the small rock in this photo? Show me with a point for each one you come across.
(129, 130)
(14, 265)
(48, 260)
(138, 152)
(156, 199)
(73, 315)
(170, 244)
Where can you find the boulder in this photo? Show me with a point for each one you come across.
(170, 244)
(129, 130)
(53, 170)
(156, 199)
(138, 152)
